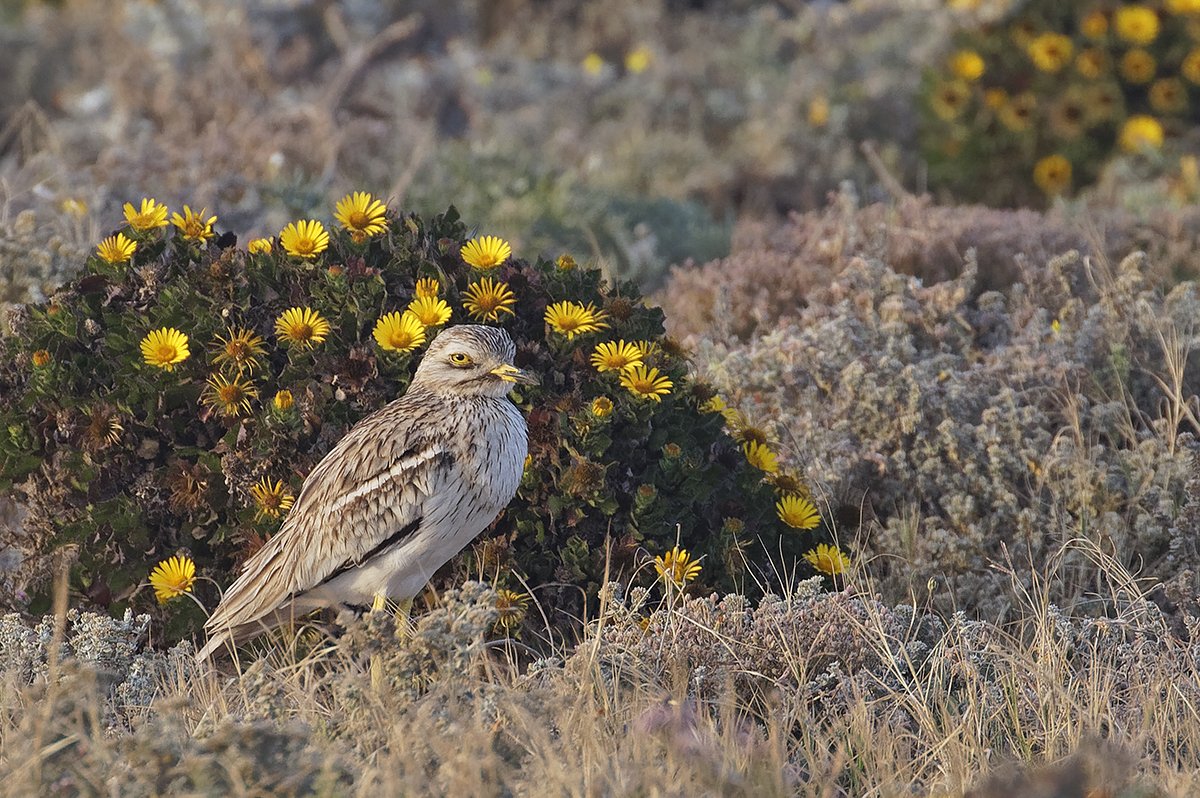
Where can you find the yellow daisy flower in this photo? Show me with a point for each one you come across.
(968, 65)
(75, 207)
(1094, 25)
(646, 383)
(1140, 132)
(172, 578)
(193, 226)
(151, 215)
(240, 350)
(1184, 7)
(1052, 174)
(487, 299)
(431, 311)
(1091, 63)
(1136, 24)
(565, 263)
(949, 99)
(283, 400)
(639, 60)
(427, 287)
(828, 559)
(486, 253)
(1137, 66)
(164, 348)
(592, 64)
(797, 512)
(602, 407)
(715, 405)
(301, 328)
(116, 249)
(259, 246)
(230, 396)
(760, 456)
(399, 332)
(1050, 51)
(571, 319)
(304, 239)
(362, 215)
(677, 568)
(616, 356)
(818, 111)
(1190, 68)
(271, 499)
(1017, 113)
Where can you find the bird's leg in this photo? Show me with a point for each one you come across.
(404, 624)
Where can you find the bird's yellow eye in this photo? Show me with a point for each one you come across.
(460, 359)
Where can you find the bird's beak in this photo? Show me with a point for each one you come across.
(513, 374)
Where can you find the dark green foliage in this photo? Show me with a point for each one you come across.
(129, 463)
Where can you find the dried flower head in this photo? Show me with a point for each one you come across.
(188, 485)
(193, 226)
(511, 607)
(300, 328)
(362, 215)
(164, 348)
(116, 249)
(103, 428)
(677, 568)
(646, 383)
(487, 299)
(399, 332)
(828, 559)
(571, 319)
(487, 252)
(239, 350)
(151, 215)
(230, 396)
(430, 310)
(304, 239)
(271, 499)
(797, 512)
(616, 356)
(172, 578)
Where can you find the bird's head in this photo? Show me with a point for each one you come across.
(471, 359)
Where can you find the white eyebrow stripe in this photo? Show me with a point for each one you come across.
(375, 482)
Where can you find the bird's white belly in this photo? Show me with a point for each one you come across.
(451, 520)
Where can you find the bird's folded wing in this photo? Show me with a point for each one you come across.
(363, 493)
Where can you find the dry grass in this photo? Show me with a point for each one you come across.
(1103, 707)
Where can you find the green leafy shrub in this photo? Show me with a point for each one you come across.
(1035, 104)
(173, 398)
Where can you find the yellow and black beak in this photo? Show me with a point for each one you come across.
(513, 374)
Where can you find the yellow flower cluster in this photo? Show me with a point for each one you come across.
(1056, 94)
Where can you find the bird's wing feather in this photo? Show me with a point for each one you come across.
(369, 487)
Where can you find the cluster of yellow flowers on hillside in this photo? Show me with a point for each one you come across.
(1122, 74)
